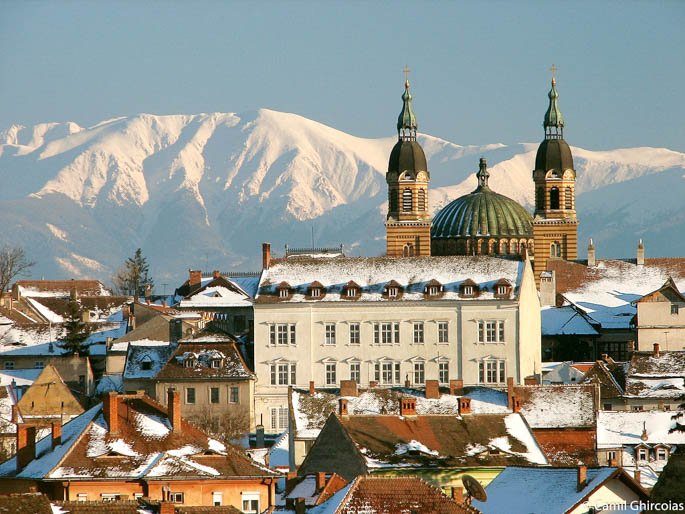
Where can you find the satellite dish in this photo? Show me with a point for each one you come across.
(473, 488)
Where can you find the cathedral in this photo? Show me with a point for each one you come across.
(483, 222)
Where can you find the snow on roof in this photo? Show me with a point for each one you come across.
(656, 377)
(19, 376)
(45, 312)
(538, 490)
(5, 321)
(557, 406)
(331, 505)
(373, 273)
(216, 296)
(6, 401)
(562, 373)
(110, 383)
(247, 284)
(34, 339)
(564, 321)
(617, 428)
(145, 360)
(606, 291)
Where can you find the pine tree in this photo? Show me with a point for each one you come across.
(77, 331)
(133, 278)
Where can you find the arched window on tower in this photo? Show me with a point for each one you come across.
(554, 198)
(393, 194)
(407, 200)
(422, 200)
(568, 199)
(408, 250)
(515, 247)
(555, 249)
(540, 199)
(505, 248)
(484, 248)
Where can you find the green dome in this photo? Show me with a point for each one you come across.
(482, 213)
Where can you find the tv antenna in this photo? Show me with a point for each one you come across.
(473, 489)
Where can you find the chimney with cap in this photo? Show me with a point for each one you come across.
(640, 253)
(516, 401)
(216, 273)
(174, 409)
(657, 348)
(591, 255)
(464, 405)
(432, 389)
(408, 406)
(320, 480)
(266, 255)
(110, 407)
(26, 445)
(194, 279)
(637, 476)
(342, 404)
(348, 388)
(582, 477)
(456, 387)
(312, 390)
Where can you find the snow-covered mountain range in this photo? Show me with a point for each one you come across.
(204, 191)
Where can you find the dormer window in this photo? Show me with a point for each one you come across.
(316, 292)
(215, 363)
(502, 288)
(283, 293)
(283, 290)
(189, 362)
(316, 289)
(351, 290)
(468, 288)
(392, 292)
(433, 288)
(642, 454)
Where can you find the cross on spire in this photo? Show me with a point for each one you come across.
(406, 71)
(553, 69)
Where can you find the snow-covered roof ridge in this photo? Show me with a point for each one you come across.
(372, 274)
(557, 406)
(617, 428)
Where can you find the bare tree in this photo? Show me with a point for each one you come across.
(229, 427)
(13, 262)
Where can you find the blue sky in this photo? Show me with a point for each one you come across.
(480, 69)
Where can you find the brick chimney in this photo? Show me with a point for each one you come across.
(342, 406)
(591, 255)
(312, 390)
(530, 381)
(194, 278)
(26, 445)
(216, 274)
(348, 388)
(464, 405)
(432, 389)
(644, 435)
(15, 414)
(174, 409)
(290, 480)
(320, 480)
(266, 255)
(110, 408)
(657, 348)
(56, 434)
(548, 288)
(166, 507)
(637, 476)
(456, 387)
(640, 253)
(516, 403)
(510, 392)
(408, 406)
(458, 494)
(582, 477)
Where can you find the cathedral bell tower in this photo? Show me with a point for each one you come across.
(408, 223)
(555, 226)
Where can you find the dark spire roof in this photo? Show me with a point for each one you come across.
(483, 175)
(553, 152)
(406, 122)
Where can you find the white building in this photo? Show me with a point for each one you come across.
(388, 321)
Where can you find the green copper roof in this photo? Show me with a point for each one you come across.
(482, 213)
(407, 119)
(553, 116)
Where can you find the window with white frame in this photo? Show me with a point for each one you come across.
(330, 333)
(234, 396)
(110, 497)
(661, 454)
(331, 368)
(392, 292)
(491, 331)
(279, 418)
(82, 497)
(418, 332)
(355, 333)
(250, 503)
(467, 290)
(491, 371)
(387, 372)
(315, 292)
(433, 290)
(283, 373)
(611, 455)
(351, 292)
(642, 454)
(443, 332)
(39, 364)
(190, 395)
(176, 497)
(282, 334)
(355, 371)
(217, 498)
(386, 332)
(283, 293)
(502, 290)
(419, 372)
(443, 372)
(674, 308)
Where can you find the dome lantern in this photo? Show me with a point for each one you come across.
(554, 120)
(406, 121)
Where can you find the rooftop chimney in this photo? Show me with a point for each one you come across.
(458, 494)
(591, 255)
(300, 507)
(640, 253)
(312, 390)
(348, 388)
(510, 392)
(456, 387)
(637, 476)
(266, 255)
(464, 405)
(15, 414)
(530, 381)
(216, 274)
(320, 480)
(56, 434)
(644, 435)
(290, 480)
(432, 389)
(582, 477)
(259, 439)
(194, 278)
(26, 445)
(408, 406)
(548, 288)
(656, 349)
(174, 409)
(342, 404)
(110, 407)
(167, 507)
(516, 403)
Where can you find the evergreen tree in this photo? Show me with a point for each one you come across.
(134, 276)
(77, 331)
